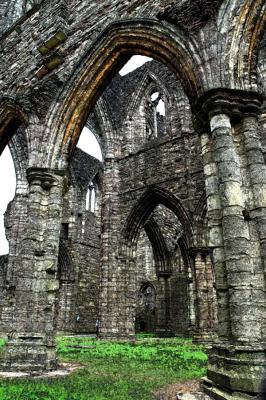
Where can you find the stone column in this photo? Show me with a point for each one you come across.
(237, 360)
(128, 300)
(205, 298)
(257, 173)
(244, 318)
(216, 235)
(32, 278)
(117, 293)
(163, 325)
(110, 266)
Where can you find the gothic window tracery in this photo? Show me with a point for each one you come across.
(155, 115)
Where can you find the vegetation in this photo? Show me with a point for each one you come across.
(113, 371)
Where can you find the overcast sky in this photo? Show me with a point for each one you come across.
(87, 142)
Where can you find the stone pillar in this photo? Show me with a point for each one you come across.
(237, 360)
(163, 325)
(32, 279)
(117, 292)
(244, 317)
(216, 235)
(128, 299)
(205, 296)
(257, 173)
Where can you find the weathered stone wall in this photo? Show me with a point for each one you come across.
(3, 273)
(170, 161)
(79, 258)
(56, 62)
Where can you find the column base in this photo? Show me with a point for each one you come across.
(33, 353)
(235, 371)
(218, 393)
(205, 338)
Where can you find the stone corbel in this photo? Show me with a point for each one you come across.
(44, 176)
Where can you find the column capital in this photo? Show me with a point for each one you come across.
(232, 102)
(45, 176)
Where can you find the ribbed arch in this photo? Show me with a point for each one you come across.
(159, 247)
(66, 270)
(108, 129)
(248, 23)
(148, 82)
(11, 118)
(142, 210)
(104, 59)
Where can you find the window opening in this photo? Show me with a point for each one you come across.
(91, 198)
(89, 144)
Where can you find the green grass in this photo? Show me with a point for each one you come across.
(114, 371)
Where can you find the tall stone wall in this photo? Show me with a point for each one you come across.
(170, 161)
(79, 251)
(57, 60)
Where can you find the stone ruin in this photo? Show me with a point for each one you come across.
(168, 233)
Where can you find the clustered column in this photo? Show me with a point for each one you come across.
(237, 363)
(216, 234)
(33, 280)
(257, 173)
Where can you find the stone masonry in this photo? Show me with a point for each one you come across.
(168, 233)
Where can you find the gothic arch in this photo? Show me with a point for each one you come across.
(159, 246)
(11, 118)
(13, 123)
(108, 129)
(106, 56)
(242, 45)
(148, 79)
(19, 151)
(140, 213)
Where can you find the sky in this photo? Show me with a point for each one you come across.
(87, 142)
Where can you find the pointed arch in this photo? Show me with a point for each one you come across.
(248, 19)
(140, 213)
(108, 129)
(12, 116)
(159, 247)
(148, 79)
(105, 57)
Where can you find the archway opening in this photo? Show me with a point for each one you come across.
(164, 276)
(79, 251)
(140, 116)
(89, 143)
(8, 185)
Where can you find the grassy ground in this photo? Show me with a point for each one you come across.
(113, 371)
